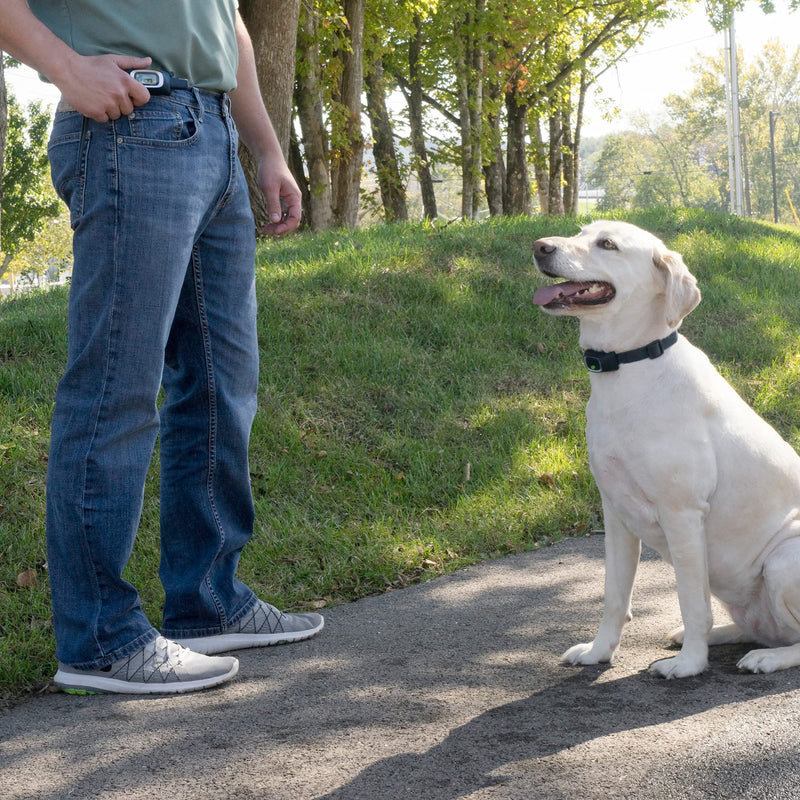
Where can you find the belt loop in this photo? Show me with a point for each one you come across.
(200, 108)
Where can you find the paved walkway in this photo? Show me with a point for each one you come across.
(447, 690)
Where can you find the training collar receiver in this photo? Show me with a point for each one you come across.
(157, 82)
(601, 361)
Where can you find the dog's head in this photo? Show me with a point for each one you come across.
(614, 270)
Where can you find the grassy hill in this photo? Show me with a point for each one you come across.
(417, 413)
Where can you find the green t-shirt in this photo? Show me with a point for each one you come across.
(191, 39)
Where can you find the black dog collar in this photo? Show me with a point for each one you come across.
(600, 361)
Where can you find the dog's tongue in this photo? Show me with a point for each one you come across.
(547, 294)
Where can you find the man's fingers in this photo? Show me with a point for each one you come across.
(284, 218)
(131, 62)
(102, 89)
(138, 93)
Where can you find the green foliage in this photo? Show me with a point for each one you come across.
(393, 358)
(684, 162)
(28, 199)
(622, 159)
(474, 56)
(49, 253)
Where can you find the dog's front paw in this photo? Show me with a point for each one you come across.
(680, 666)
(587, 653)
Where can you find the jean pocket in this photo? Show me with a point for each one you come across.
(68, 151)
(158, 125)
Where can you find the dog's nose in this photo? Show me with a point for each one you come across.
(542, 247)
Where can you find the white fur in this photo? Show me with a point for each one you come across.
(682, 463)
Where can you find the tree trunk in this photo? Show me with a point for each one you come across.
(519, 200)
(298, 168)
(308, 98)
(272, 25)
(469, 71)
(555, 203)
(348, 157)
(4, 268)
(476, 107)
(572, 166)
(414, 99)
(393, 194)
(569, 186)
(494, 174)
(3, 127)
(462, 40)
(540, 167)
(494, 171)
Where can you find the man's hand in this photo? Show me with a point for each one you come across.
(97, 86)
(100, 88)
(275, 179)
(282, 196)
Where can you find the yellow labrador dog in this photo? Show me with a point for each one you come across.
(682, 462)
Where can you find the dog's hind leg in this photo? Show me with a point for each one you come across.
(771, 659)
(781, 592)
(730, 633)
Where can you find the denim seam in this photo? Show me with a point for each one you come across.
(99, 410)
(86, 140)
(193, 633)
(233, 164)
(121, 652)
(212, 423)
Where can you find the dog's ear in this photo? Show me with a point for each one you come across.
(682, 294)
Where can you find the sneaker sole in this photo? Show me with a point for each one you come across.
(225, 642)
(96, 684)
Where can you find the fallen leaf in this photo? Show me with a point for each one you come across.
(27, 579)
(548, 479)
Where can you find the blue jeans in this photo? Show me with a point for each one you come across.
(162, 295)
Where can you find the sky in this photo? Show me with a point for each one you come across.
(657, 68)
(660, 65)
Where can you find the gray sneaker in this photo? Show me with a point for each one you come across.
(263, 626)
(161, 667)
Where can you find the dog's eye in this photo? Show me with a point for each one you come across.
(607, 244)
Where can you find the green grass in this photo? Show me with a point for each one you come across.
(417, 413)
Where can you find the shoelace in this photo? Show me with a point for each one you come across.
(173, 653)
(165, 654)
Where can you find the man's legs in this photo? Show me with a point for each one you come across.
(210, 384)
(139, 190)
(149, 195)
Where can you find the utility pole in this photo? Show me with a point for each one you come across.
(772, 116)
(734, 127)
